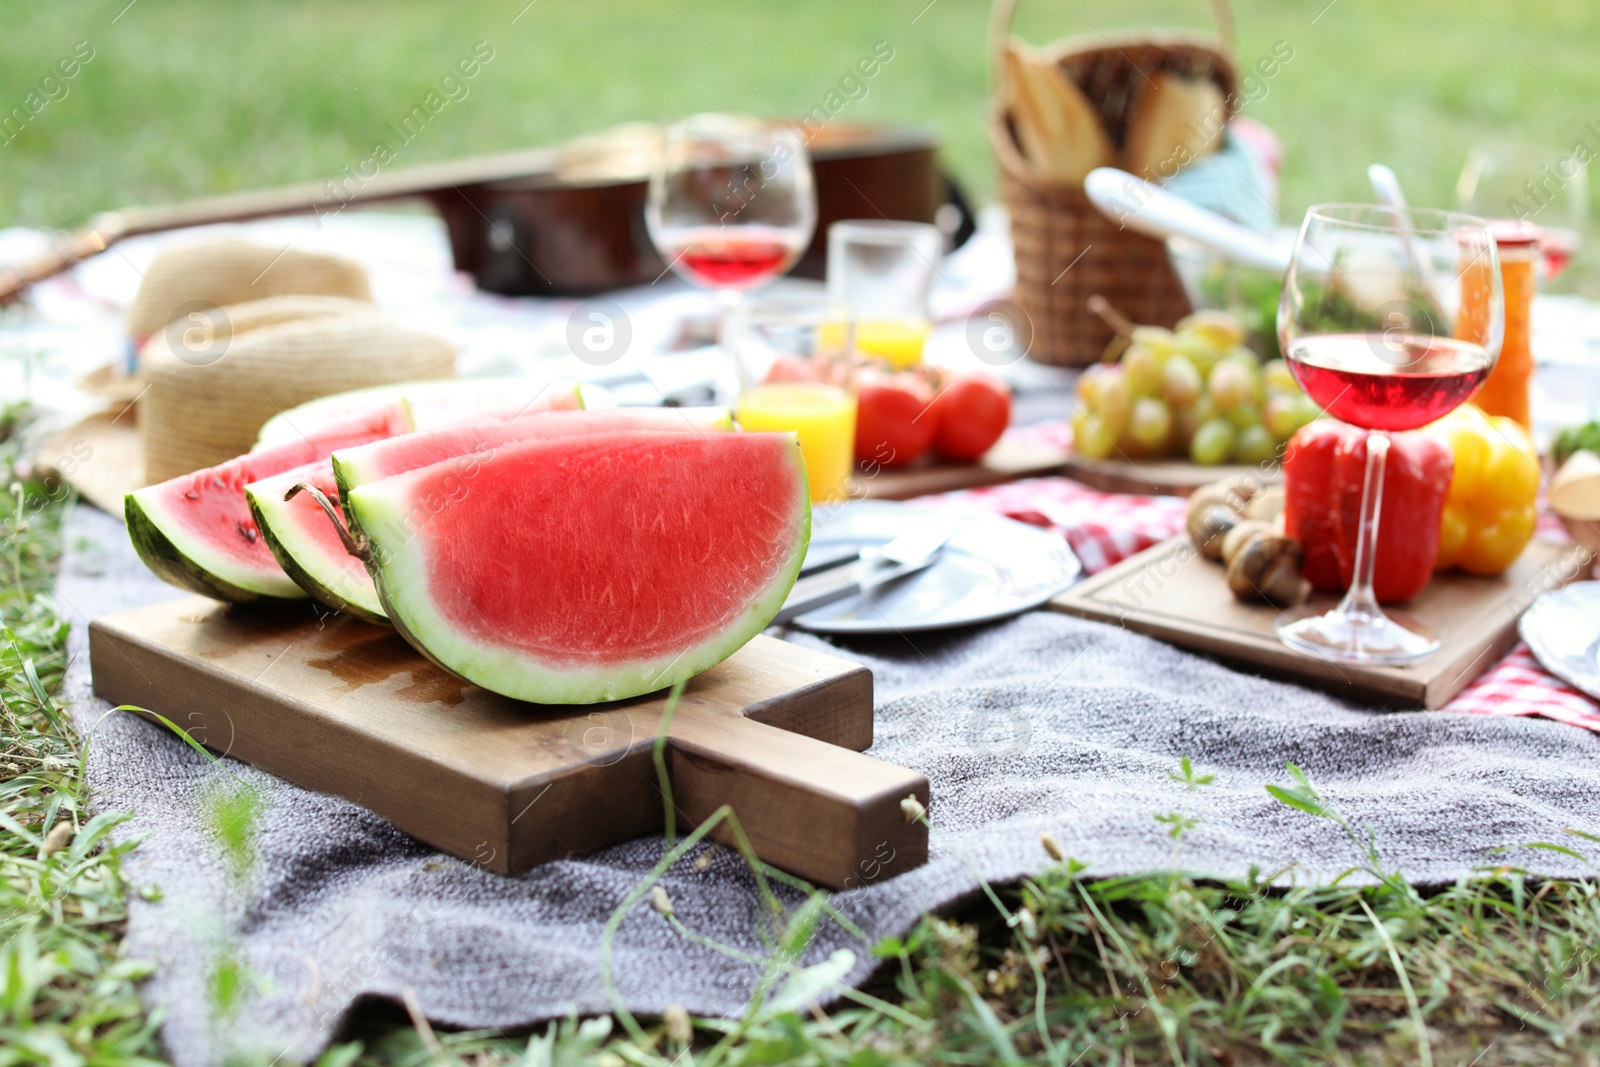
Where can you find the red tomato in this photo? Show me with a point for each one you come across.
(894, 425)
(972, 412)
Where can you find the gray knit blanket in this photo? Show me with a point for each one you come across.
(1042, 723)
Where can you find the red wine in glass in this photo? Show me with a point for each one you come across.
(735, 257)
(1388, 381)
(1558, 245)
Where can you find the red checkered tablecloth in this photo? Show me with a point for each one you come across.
(1106, 528)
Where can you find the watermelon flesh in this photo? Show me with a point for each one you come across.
(590, 567)
(196, 531)
(472, 443)
(304, 541)
(430, 404)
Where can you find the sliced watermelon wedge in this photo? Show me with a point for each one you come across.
(309, 548)
(591, 567)
(196, 531)
(306, 544)
(473, 443)
(431, 404)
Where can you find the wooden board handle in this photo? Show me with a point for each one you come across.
(827, 814)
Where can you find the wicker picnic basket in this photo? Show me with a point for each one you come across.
(1066, 251)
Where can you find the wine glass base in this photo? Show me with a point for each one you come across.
(1385, 638)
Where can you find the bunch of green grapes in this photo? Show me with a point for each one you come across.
(1194, 391)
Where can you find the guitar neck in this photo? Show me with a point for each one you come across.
(330, 197)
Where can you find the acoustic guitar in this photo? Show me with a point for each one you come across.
(558, 221)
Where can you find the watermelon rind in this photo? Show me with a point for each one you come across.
(175, 525)
(592, 397)
(303, 559)
(190, 563)
(383, 512)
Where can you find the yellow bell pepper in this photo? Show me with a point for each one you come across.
(1490, 513)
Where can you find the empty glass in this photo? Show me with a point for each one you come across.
(880, 273)
(1545, 185)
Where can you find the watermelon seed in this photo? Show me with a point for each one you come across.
(191, 495)
(248, 532)
(356, 546)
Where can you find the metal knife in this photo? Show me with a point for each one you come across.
(827, 557)
(907, 554)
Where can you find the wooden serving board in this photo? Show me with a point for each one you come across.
(1008, 461)
(1171, 592)
(1156, 477)
(343, 707)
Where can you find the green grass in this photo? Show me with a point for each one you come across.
(185, 98)
(66, 993)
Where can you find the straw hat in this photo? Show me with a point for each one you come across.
(235, 319)
(213, 378)
(221, 273)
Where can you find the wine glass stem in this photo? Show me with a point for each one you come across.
(1360, 602)
(728, 302)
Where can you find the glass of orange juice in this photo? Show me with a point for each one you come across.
(880, 273)
(794, 374)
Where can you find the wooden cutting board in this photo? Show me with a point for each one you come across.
(342, 707)
(1008, 461)
(1156, 477)
(1171, 592)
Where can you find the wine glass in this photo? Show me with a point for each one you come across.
(732, 202)
(1540, 184)
(1389, 319)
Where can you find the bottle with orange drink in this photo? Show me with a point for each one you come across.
(1507, 388)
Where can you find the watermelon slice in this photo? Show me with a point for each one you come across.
(196, 530)
(481, 399)
(306, 544)
(381, 459)
(309, 548)
(432, 404)
(591, 567)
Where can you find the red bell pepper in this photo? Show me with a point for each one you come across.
(1323, 470)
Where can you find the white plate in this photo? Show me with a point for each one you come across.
(1563, 630)
(991, 568)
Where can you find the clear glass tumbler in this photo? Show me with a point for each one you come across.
(880, 273)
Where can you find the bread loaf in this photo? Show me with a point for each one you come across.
(1059, 133)
(1176, 121)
